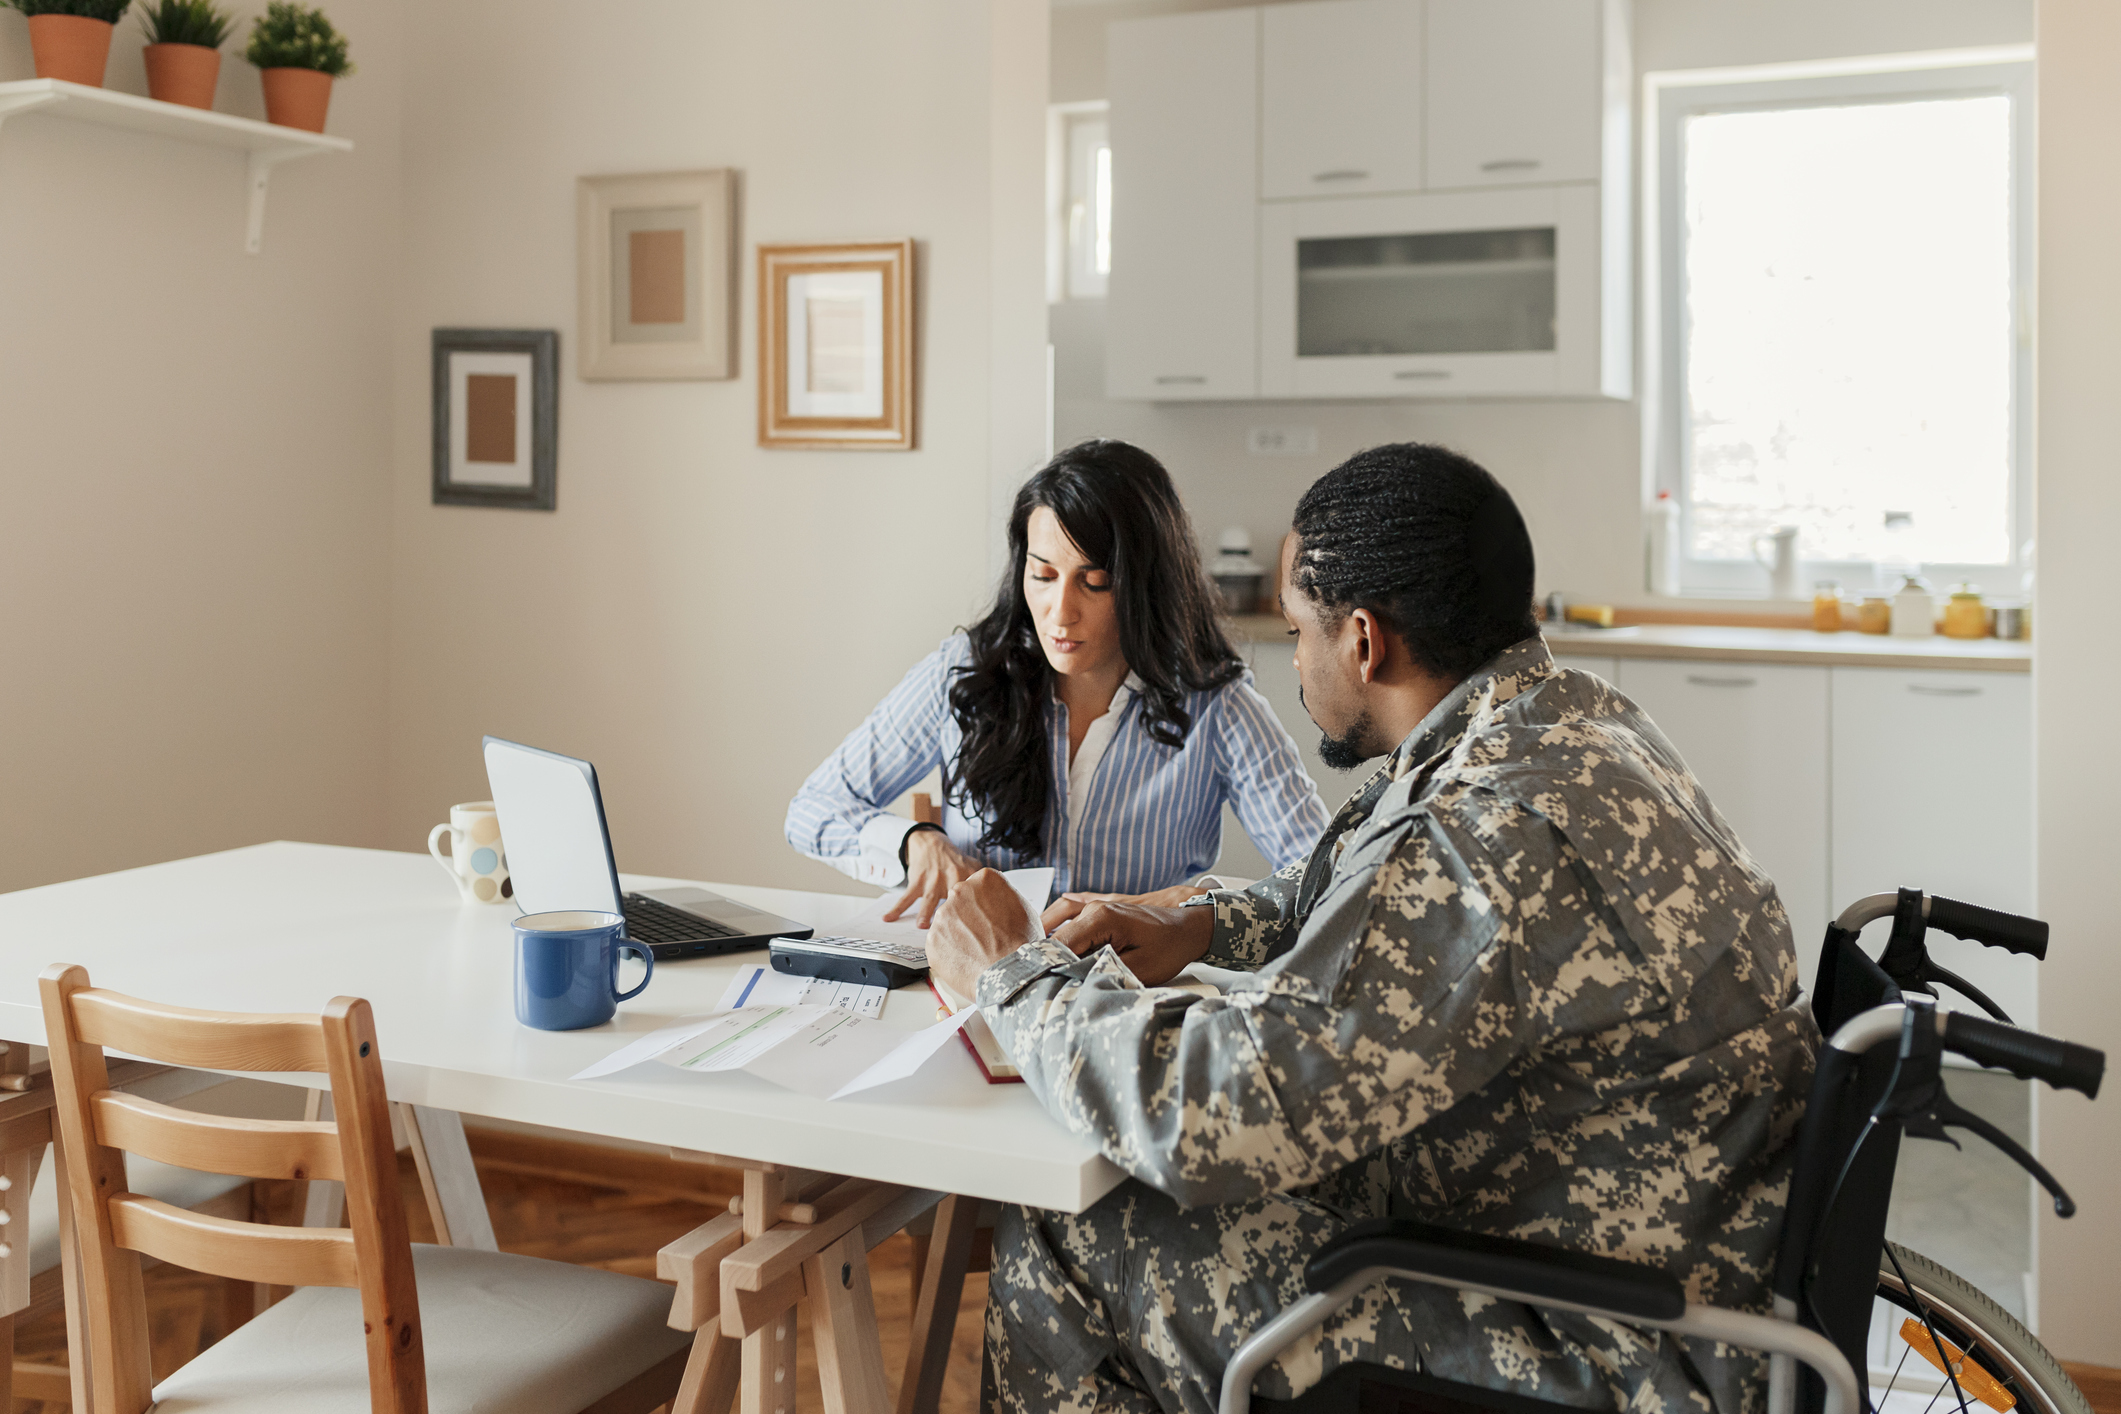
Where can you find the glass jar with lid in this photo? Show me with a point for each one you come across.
(1965, 615)
(1826, 606)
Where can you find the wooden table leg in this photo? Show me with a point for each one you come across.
(850, 1354)
(711, 1372)
(768, 1362)
(443, 1157)
(805, 1238)
(935, 1313)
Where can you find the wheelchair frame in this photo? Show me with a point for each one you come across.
(1537, 1275)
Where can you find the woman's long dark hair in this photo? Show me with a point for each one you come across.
(1117, 504)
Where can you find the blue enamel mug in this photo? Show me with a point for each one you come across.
(567, 968)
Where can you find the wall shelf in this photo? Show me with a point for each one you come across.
(266, 145)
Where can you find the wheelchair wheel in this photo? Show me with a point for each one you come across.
(1966, 1318)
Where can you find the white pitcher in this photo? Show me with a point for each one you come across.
(1782, 567)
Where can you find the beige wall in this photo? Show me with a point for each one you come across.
(2079, 524)
(1574, 466)
(194, 446)
(702, 618)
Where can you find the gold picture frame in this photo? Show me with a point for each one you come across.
(836, 346)
(656, 275)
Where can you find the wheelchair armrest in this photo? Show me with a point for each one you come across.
(1531, 1269)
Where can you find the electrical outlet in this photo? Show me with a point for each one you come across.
(1281, 441)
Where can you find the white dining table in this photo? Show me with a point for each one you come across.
(285, 927)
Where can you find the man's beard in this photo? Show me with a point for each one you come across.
(1344, 752)
(1349, 750)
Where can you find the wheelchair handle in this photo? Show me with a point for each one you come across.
(1986, 925)
(1962, 920)
(2025, 1054)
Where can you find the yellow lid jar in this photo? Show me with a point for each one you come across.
(1826, 606)
(1965, 615)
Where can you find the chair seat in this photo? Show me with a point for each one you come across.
(180, 1188)
(503, 1333)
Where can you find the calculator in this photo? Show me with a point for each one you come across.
(865, 960)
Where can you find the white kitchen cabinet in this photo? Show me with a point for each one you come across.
(1756, 736)
(1341, 98)
(1517, 90)
(1371, 199)
(1443, 293)
(1181, 318)
(1933, 790)
(1607, 668)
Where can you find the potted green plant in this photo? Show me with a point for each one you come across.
(298, 54)
(183, 53)
(70, 39)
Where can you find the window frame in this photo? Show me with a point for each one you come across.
(1074, 132)
(1672, 97)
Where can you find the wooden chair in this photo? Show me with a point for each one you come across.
(443, 1328)
(211, 1194)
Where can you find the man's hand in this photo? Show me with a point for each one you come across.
(982, 922)
(1155, 943)
(933, 867)
(1068, 906)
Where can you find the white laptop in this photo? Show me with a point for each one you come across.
(559, 857)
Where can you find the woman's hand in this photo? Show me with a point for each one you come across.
(1068, 906)
(933, 865)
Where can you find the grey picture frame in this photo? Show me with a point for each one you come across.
(542, 346)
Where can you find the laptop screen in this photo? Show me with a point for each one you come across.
(552, 829)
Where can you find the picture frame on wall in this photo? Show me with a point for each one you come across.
(496, 418)
(836, 346)
(656, 275)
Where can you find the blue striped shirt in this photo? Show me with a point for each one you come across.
(1152, 816)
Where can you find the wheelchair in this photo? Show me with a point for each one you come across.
(1878, 1077)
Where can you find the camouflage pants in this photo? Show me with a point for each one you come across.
(1137, 1305)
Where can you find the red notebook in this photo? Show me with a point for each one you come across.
(978, 1036)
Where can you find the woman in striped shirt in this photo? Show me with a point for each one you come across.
(1096, 719)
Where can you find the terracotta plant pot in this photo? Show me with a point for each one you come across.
(70, 47)
(296, 98)
(182, 73)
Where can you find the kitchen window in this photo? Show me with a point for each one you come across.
(1079, 201)
(1842, 259)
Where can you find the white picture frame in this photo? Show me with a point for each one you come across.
(655, 280)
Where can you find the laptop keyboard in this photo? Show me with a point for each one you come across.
(653, 921)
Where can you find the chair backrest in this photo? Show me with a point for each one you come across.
(96, 1126)
(1841, 1182)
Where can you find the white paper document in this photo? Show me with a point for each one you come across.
(756, 984)
(1031, 885)
(812, 1035)
(826, 1051)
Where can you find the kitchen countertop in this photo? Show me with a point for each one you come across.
(1755, 645)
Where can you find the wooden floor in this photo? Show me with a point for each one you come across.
(591, 1208)
(569, 1219)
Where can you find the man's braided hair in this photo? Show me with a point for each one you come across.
(1427, 541)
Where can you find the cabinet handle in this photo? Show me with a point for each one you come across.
(1704, 680)
(1510, 164)
(1924, 690)
(1340, 174)
(1180, 378)
(1423, 373)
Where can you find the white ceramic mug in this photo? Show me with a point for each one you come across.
(475, 859)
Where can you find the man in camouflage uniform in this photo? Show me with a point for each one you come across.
(1528, 984)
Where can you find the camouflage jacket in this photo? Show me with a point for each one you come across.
(1528, 965)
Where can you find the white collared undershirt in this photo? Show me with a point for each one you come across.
(1083, 769)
